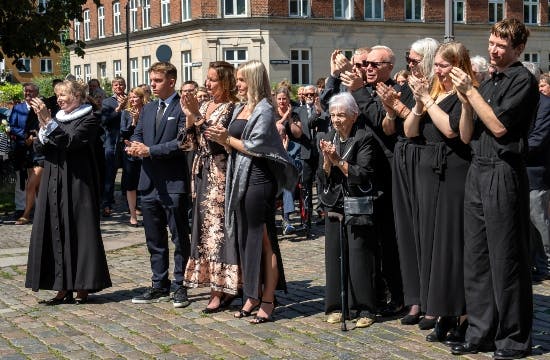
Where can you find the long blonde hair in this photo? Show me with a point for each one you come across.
(457, 55)
(255, 75)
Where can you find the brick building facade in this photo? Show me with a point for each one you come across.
(294, 38)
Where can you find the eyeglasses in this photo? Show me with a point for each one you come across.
(441, 65)
(310, 94)
(413, 61)
(374, 64)
(188, 91)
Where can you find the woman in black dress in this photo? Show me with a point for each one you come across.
(66, 250)
(258, 169)
(131, 166)
(346, 167)
(420, 61)
(440, 176)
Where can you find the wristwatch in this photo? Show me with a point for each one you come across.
(341, 162)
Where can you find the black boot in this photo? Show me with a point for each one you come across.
(442, 326)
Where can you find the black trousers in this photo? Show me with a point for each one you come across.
(497, 277)
(160, 211)
(309, 168)
(361, 250)
(405, 161)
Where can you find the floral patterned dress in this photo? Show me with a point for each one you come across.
(214, 258)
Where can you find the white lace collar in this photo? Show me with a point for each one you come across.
(80, 111)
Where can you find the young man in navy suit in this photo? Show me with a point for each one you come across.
(163, 185)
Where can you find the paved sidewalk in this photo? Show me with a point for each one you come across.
(110, 326)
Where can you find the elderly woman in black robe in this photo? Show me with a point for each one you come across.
(66, 250)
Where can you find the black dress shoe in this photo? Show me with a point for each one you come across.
(441, 328)
(391, 309)
(469, 348)
(426, 324)
(410, 319)
(510, 354)
(67, 299)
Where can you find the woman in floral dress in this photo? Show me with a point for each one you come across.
(214, 258)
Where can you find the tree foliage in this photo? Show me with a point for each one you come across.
(29, 30)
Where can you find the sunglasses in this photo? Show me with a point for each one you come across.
(413, 61)
(309, 94)
(374, 64)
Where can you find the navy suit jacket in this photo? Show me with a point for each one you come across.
(110, 120)
(538, 157)
(165, 169)
(22, 121)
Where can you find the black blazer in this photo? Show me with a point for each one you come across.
(361, 152)
(165, 169)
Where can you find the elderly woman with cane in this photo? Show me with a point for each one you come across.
(346, 172)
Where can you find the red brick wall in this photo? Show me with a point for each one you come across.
(394, 10)
(477, 11)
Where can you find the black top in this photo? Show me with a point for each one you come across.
(259, 169)
(453, 107)
(513, 96)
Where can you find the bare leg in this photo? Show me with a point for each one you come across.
(31, 190)
(131, 196)
(271, 276)
(215, 300)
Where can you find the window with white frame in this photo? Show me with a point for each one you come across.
(146, 14)
(146, 64)
(458, 11)
(133, 15)
(76, 25)
(374, 9)
(77, 72)
(116, 18)
(102, 70)
(343, 9)
(298, 8)
(117, 68)
(496, 10)
(234, 7)
(413, 10)
(186, 66)
(134, 73)
(532, 57)
(530, 11)
(185, 10)
(101, 22)
(235, 56)
(165, 12)
(46, 66)
(25, 65)
(300, 66)
(86, 24)
(87, 72)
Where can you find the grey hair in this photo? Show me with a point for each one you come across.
(344, 100)
(533, 68)
(387, 49)
(311, 87)
(426, 47)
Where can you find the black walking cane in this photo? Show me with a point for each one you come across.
(343, 267)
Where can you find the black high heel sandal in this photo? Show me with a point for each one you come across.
(242, 313)
(262, 319)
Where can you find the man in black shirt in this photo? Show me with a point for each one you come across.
(496, 202)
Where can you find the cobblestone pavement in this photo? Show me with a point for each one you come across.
(110, 326)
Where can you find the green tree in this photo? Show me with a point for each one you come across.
(27, 29)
